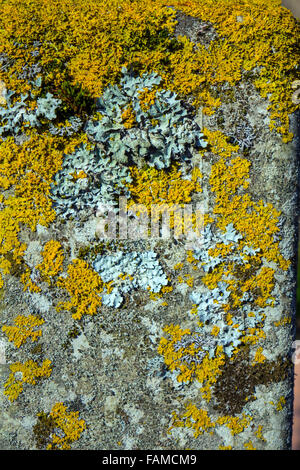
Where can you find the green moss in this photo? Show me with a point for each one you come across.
(43, 429)
(74, 333)
(76, 99)
(37, 349)
(89, 253)
(236, 385)
(17, 268)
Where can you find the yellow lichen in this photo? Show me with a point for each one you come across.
(68, 427)
(161, 191)
(28, 373)
(259, 357)
(283, 321)
(205, 373)
(281, 403)
(199, 420)
(259, 433)
(84, 286)
(194, 418)
(128, 117)
(52, 260)
(23, 329)
(235, 423)
(25, 279)
(249, 446)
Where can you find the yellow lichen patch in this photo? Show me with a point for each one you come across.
(27, 171)
(68, 427)
(25, 279)
(208, 371)
(52, 260)
(158, 295)
(166, 348)
(259, 357)
(23, 329)
(199, 420)
(72, 33)
(255, 220)
(284, 321)
(155, 295)
(80, 175)
(226, 177)
(9, 241)
(259, 433)
(219, 144)
(147, 98)
(141, 33)
(38, 157)
(225, 447)
(220, 249)
(253, 336)
(235, 423)
(205, 372)
(2, 90)
(84, 286)
(249, 446)
(166, 289)
(28, 373)
(128, 117)
(187, 279)
(281, 403)
(212, 279)
(161, 193)
(263, 283)
(190, 259)
(194, 418)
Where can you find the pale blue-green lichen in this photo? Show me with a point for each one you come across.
(87, 179)
(173, 135)
(142, 271)
(16, 114)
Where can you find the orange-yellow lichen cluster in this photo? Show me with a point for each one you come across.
(23, 329)
(26, 174)
(205, 372)
(199, 421)
(255, 36)
(67, 427)
(28, 373)
(52, 260)
(84, 286)
(258, 36)
(87, 44)
(156, 192)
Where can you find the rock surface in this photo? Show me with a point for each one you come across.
(156, 342)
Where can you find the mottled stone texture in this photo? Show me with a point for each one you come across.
(200, 384)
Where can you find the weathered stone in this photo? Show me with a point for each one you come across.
(168, 342)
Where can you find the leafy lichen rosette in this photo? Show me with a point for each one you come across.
(141, 123)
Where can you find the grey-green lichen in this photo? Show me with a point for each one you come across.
(134, 129)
